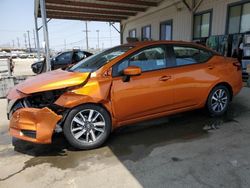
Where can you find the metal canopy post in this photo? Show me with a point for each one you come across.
(37, 40)
(36, 29)
(45, 34)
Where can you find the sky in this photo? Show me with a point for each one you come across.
(17, 17)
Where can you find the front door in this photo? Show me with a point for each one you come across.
(146, 94)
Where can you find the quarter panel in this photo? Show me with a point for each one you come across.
(193, 82)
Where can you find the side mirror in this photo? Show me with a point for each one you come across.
(131, 71)
(54, 59)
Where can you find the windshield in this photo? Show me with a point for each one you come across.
(96, 61)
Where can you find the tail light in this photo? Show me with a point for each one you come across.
(237, 65)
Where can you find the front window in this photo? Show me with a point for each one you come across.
(202, 25)
(150, 59)
(238, 18)
(146, 33)
(98, 60)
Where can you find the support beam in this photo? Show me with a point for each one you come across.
(90, 18)
(37, 40)
(55, 7)
(73, 14)
(47, 22)
(121, 33)
(112, 24)
(192, 8)
(133, 2)
(197, 6)
(36, 30)
(192, 20)
(45, 34)
(187, 5)
(96, 5)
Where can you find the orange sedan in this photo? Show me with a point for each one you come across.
(122, 85)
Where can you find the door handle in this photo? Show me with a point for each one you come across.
(210, 66)
(165, 78)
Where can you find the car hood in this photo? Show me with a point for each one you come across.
(53, 80)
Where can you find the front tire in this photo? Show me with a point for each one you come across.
(218, 100)
(87, 126)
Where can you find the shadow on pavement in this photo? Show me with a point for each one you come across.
(128, 143)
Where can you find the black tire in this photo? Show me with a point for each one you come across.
(88, 126)
(214, 110)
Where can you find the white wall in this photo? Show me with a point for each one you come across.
(181, 16)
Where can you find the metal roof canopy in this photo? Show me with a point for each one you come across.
(96, 10)
(87, 10)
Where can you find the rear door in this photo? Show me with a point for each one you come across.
(193, 75)
(146, 94)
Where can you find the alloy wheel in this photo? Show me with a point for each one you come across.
(88, 126)
(219, 100)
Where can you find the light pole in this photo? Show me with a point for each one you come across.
(34, 38)
(98, 41)
(25, 42)
(18, 43)
(87, 38)
(29, 40)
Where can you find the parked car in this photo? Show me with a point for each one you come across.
(121, 86)
(4, 55)
(31, 56)
(61, 60)
(23, 55)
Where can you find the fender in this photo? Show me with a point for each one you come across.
(95, 91)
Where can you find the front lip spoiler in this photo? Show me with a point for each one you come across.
(41, 122)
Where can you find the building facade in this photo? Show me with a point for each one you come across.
(222, 25)
(192, 20)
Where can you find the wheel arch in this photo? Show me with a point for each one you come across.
(105, 107)
(227, 85)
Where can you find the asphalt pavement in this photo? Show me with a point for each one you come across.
(185, 150)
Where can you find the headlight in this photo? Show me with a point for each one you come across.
(10, 106)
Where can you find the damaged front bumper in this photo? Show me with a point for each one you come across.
(34, 124)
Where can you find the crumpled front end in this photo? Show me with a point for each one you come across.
(38, 108)
(33, 124)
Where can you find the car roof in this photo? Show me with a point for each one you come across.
(173, 42)
(74, 50)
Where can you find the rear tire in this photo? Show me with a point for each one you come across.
(87, 126)
(218, 101)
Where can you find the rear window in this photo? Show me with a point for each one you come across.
(190, 55)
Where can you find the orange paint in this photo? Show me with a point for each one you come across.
(42, 121)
